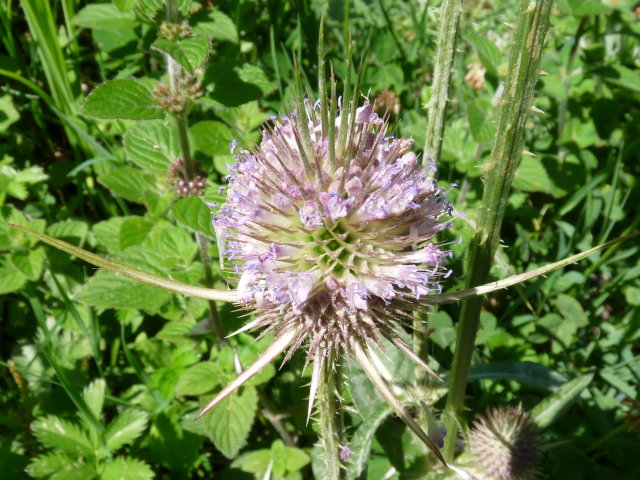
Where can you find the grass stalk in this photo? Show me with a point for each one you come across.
(522, 76)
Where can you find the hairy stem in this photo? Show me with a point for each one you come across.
(331, 421)
(533, 23)
(436, 108)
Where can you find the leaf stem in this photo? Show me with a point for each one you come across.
(533, 23)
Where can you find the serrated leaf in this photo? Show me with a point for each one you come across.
(531, 176)
(552, 407)
(60, 434)
(482, 128)
(212, 138)
(93, 395)
(104, 16)
(151, 7)
(29, 263)
(228, 424)
(489, 54)
(57, 466)
(198, 379)
(193, 213)
(128, 182)
(216, 24)
(11, 279)
(133, 231)
(122, 99)
(152, 145)
(105, 289)
(125, 428)
(235, 84)
(125, 5)
(108, 233)
(72, 231)
(190, 53)
(124, 468)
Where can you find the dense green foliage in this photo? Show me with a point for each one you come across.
(102, 377)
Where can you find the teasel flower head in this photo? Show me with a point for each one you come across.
(504, 443)
(329, 225)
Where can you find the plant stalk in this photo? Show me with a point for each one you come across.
(522, 76)
(436, 108)
(331, 421)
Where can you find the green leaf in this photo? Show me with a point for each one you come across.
(193, 213)
(528, 373)
(212, 138)
(125, 5)
(57, 466)
(151, 7)
(107, 290)
(554, 406)
(237, 83)
(133, 231)
(588, 7)
(11, 279)
(571, 310)
(152, 145)
(481, 125)
(228, 424)
(198, 379)
(122, 99)
(104, 16)
(93, 395)
(215, 24)
(123, 468)
(29, 263)
(190, 53)
(57, 433)
(363, 436)
(73, 231)
(621, 76)
(125, 428)
(489, 54)
(531, 176)
(128, 182)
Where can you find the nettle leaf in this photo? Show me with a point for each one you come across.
(198, 379)
(104, 16)
(237, 83)
(212, 138)
(128, 182)
(57, 433)
(190, 53)
(93, 395)
(228, 424)
(122, 99)
(531, 176)
(11, 279)
(29, 263)
(133, 231)
(216, 24)
(481, 125)
(108, 290)
(125, 428)
(123, 468)
(152, 145)
(193, 213)
(107, 233)
(489, 54)
(151, 7)
(58, 466)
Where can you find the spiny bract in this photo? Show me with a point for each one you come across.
(329, 224)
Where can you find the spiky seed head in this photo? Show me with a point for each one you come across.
(337, 242)
(505, 444)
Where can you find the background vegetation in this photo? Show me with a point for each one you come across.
(101, 378)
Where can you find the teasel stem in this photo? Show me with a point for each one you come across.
(331, 420)
(445, 50)
(522, 76)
